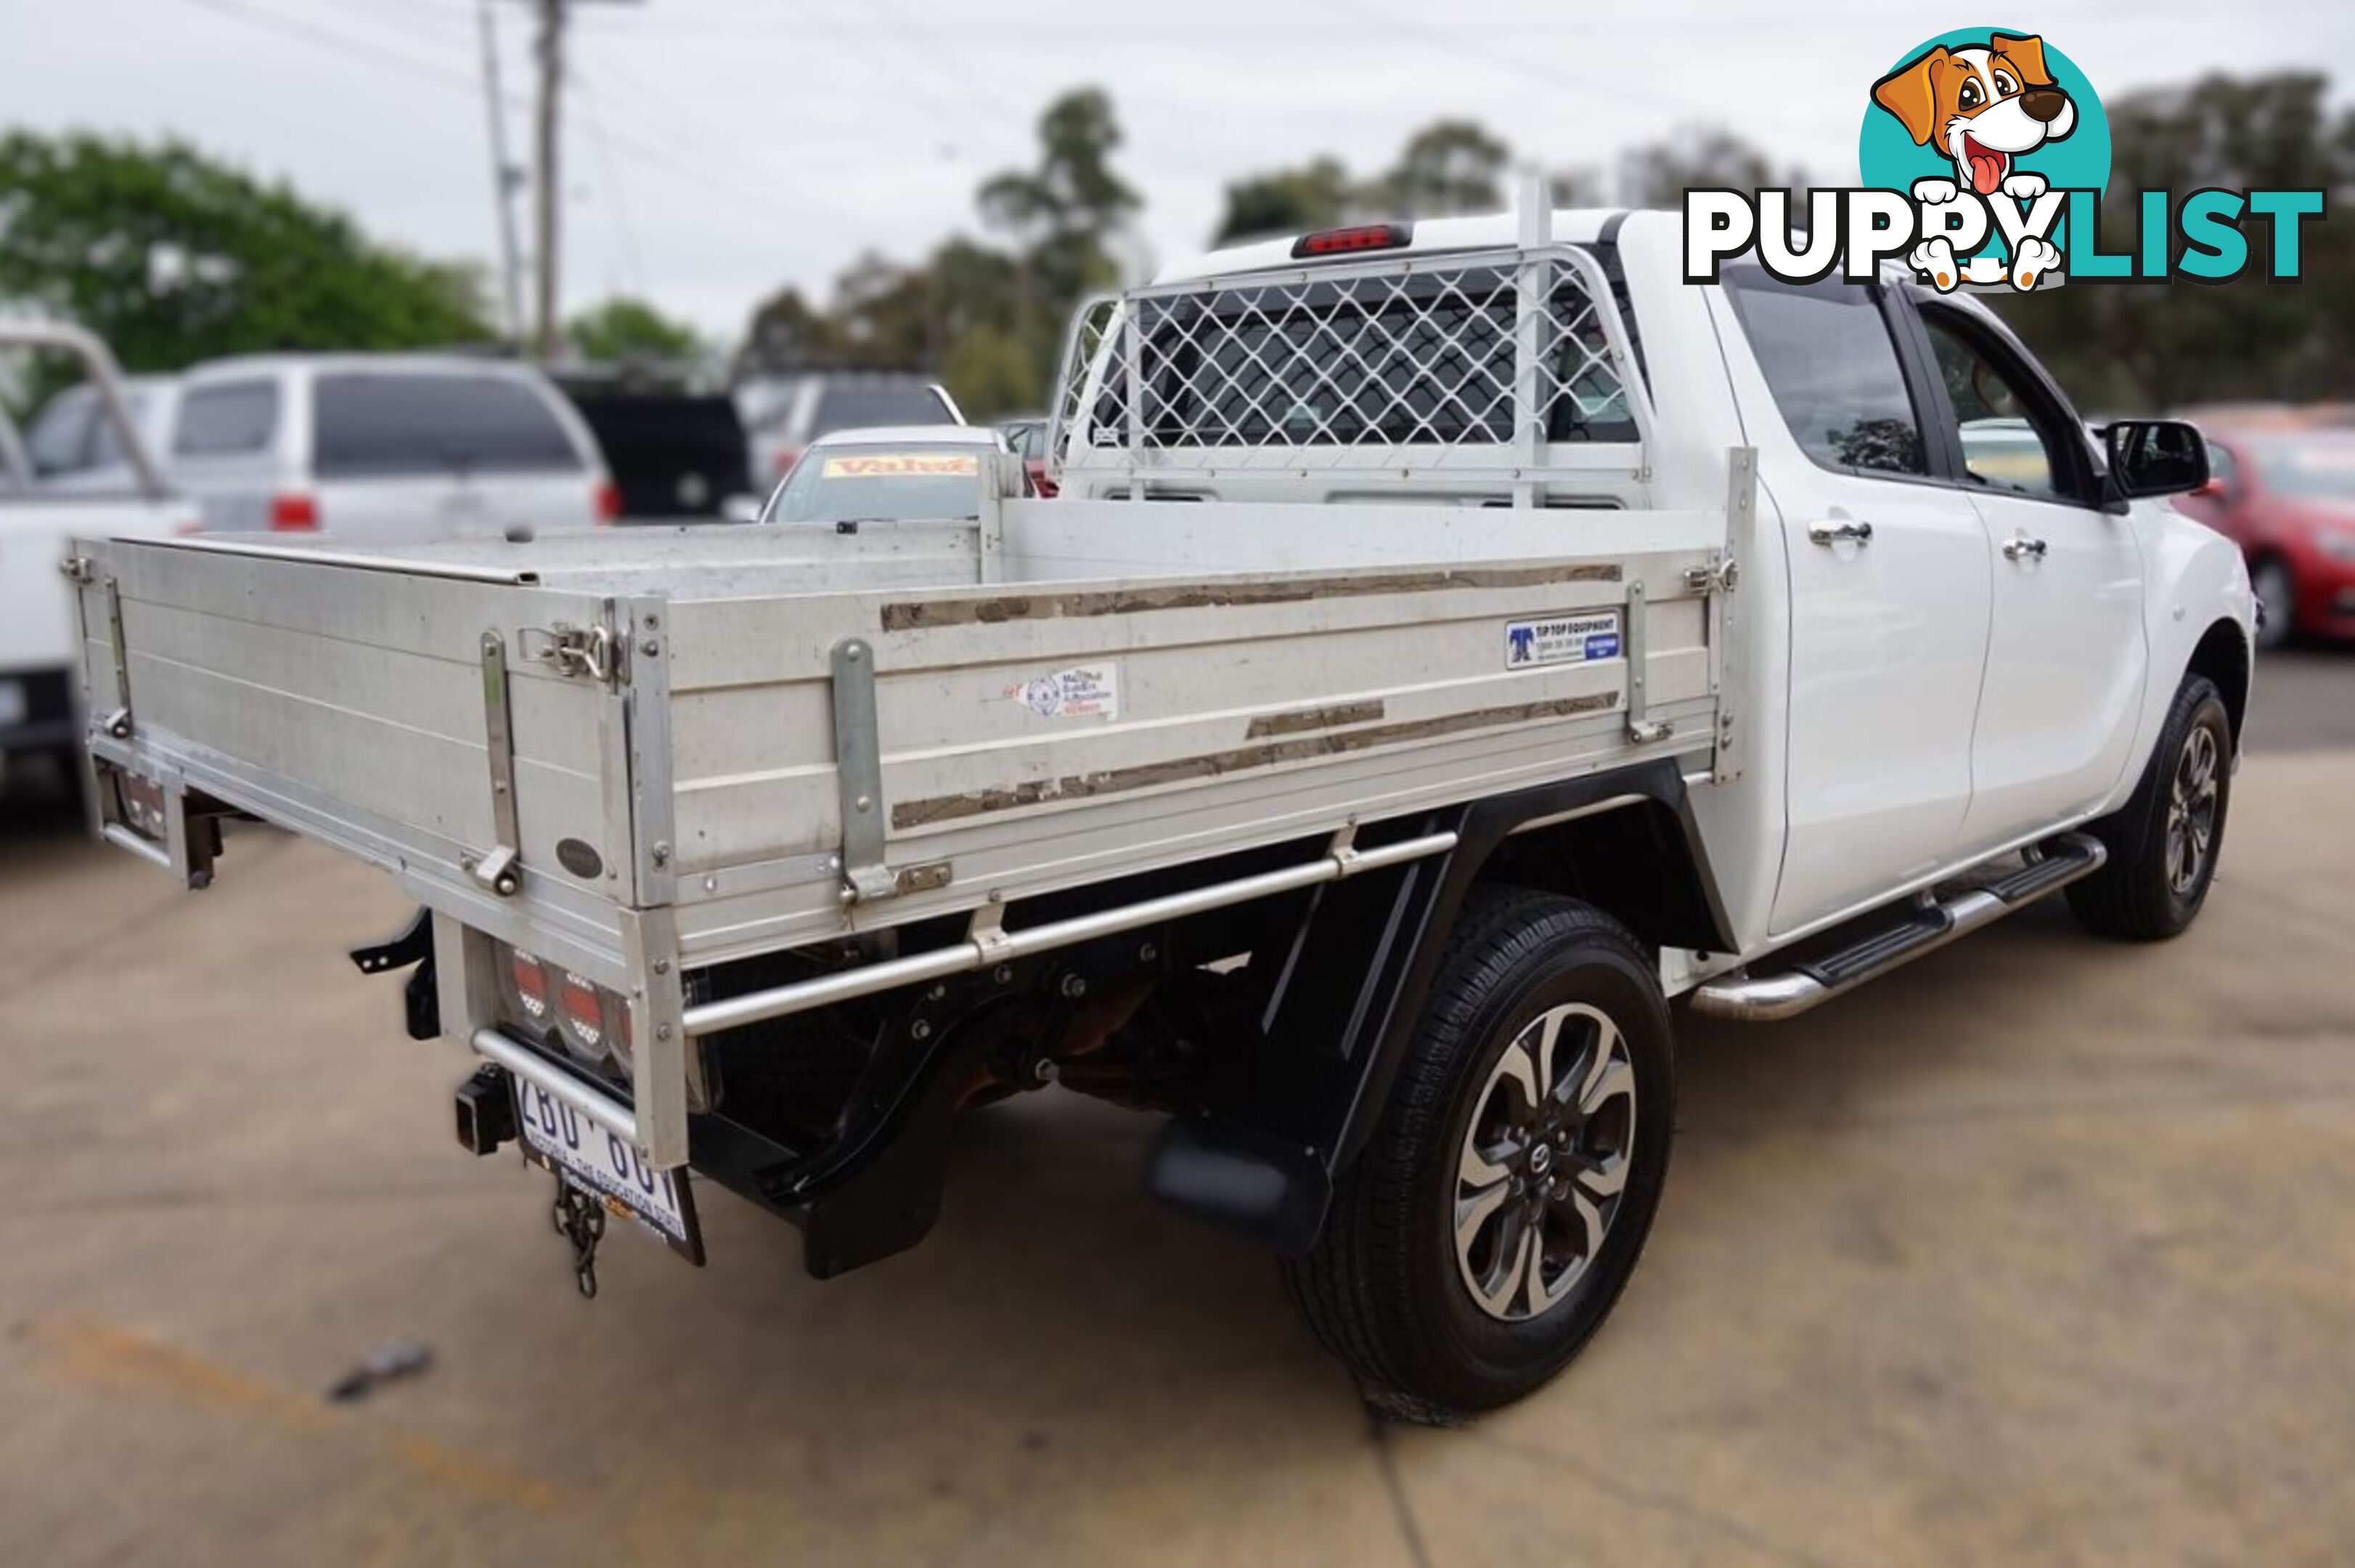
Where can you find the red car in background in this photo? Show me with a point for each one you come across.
(2287, 495)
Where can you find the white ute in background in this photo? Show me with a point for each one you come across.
(123, 496)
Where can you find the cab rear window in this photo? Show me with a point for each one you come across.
(379, 426)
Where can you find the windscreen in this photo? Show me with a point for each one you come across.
(856, 405)
(379, 426)
(2310, 467)
(880, 483)
(59, 442)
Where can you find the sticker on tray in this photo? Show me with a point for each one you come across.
(1563, 639)
(900, 465)
(1083, 691)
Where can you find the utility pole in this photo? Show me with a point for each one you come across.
(548, 200)
(502, 175)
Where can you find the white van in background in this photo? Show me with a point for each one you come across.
(385, 446)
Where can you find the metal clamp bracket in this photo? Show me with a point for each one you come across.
(583, 651)
(858, 771)
(1720, 576)
(499, 870)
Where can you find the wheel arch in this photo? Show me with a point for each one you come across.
(1360, 968)
(2222, 655)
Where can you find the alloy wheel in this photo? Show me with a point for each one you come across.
(2191, 800)
(1544, 1161)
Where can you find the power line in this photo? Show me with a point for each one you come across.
(338, 43)
(625, 234)
(746, 198)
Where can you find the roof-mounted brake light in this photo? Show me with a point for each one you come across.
(1351, 242)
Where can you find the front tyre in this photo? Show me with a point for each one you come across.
(2173, 827)
(1497, 1212)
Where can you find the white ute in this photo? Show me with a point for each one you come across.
(1453, 644)
(122, 497)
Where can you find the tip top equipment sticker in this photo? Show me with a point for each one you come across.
(901, 465)
(1563, 639)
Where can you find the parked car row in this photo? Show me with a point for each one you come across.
(415, 446)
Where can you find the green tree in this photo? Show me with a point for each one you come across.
(1659, 174)
(2123, 348)
(1316, 195)
(1449, 167)
(629, 331)
(174, 257)
(988, 317)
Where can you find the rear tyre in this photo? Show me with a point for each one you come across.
(2276, 586)
(2164, 843)
(1491, 1222)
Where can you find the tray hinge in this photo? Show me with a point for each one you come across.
(498, 870)
(1640, 728)
(858, 771)
(117, 723)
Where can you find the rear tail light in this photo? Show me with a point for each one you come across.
(1351, 242)
(608, 502)
(584, 1014)
(293, 514)
(558, 1009)
(529, 982)
(786, 457)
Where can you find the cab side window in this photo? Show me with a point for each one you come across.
(1828, 358)
(2010, 438)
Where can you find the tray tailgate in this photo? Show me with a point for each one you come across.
(349, 702)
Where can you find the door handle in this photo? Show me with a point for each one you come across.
(1831, 533)
(2023, 548)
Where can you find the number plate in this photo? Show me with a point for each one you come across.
(608, 1166)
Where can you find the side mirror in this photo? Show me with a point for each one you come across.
(2156, 457)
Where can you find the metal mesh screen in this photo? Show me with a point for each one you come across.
(1425, 354)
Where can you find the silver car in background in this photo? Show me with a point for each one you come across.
(385, 446)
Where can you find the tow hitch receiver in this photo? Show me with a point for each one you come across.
(485, 1110)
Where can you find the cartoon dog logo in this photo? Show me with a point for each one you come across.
(1982, 109)
(1985, 107)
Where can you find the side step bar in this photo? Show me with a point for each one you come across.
(1765, 998)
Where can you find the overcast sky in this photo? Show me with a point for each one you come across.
(716, 149)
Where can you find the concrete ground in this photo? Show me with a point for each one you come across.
(2039, 1252)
